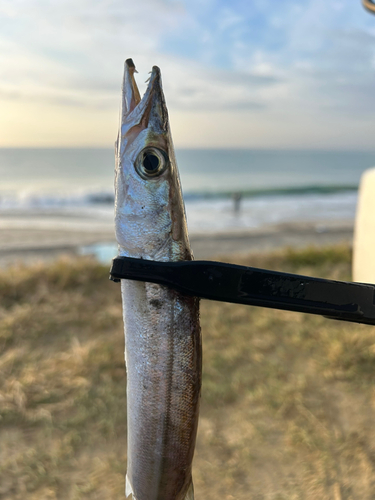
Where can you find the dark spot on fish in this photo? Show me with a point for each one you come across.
(156, 303)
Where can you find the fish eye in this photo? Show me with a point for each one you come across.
(151, 162)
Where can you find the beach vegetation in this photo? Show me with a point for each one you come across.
(288, 399)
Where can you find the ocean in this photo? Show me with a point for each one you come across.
(276, 186)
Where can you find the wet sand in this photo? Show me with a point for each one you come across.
(269, 239)
(29, 245)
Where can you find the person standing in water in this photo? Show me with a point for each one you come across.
(237, 197)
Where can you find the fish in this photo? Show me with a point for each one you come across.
(163, 347)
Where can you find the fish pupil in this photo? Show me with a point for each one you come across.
(151, 162)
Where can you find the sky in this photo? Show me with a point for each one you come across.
(236, 74)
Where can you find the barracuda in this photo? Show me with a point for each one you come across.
(162, 332)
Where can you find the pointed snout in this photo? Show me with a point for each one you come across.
(151, 109)
(154, 101)
(130, 92)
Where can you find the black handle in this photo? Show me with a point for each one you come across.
(252, 286)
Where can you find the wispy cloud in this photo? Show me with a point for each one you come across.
(263, 59)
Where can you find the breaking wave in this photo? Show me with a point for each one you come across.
(33, 200)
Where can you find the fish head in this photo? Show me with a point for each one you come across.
(150, 219)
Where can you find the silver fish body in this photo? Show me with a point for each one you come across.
(162, 332)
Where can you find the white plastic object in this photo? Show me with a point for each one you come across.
(364, 231)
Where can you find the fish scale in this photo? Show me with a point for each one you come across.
(162, 331)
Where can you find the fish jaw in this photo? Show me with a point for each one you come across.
(150, 219)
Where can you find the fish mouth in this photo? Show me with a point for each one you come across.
(131, 99)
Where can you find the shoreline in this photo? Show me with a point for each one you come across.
(30, 245)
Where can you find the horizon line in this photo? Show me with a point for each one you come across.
(208, 148)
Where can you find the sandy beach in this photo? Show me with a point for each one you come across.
(32, 241)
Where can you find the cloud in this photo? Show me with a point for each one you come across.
(264, 58)
(73, 52)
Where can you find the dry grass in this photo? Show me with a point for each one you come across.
(288, 400)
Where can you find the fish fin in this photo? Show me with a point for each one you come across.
(129, 495)
(190, 492)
